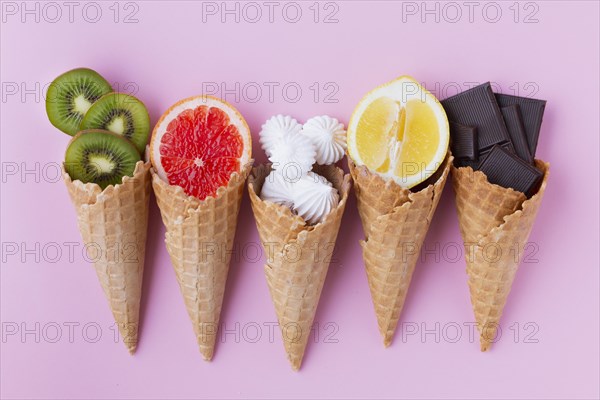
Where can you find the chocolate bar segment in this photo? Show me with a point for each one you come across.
(507, 170)
(506, 146)
(482, 155)
(532, 112)
(464, 162)
(516, 131)
(463, 141)
(477, 107)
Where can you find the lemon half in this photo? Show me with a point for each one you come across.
(400, 131)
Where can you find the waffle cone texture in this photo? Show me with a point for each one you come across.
(395, 222)
(113, 223)
(199, 238)
(495, 224)
(298, 257)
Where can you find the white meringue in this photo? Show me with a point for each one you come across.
(277, 189)
(276, 127)
(293, 154)
(329, 137)
(314, 197)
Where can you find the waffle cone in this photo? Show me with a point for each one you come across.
(113, 223)
(495, 224)
(395, 222)
(298, 257)
(199, 238)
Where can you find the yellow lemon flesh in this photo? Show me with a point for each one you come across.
(399, 131)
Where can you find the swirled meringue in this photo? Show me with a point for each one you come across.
(277, 189)
(329, 137)
(314, 197)
(293, 153)
(274, 128)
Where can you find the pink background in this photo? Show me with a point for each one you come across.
(168, 55)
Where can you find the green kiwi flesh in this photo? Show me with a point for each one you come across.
(122, 114)
(100, 157)
(71, 95)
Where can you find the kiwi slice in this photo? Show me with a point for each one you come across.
(100, 157)
(122, 114)
(71, 95)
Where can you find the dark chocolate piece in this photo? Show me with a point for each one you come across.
(477, 107)
(506, 146)
(463, 141)
(516, 130)
(532, 112)
(482, 155)
(507, 170)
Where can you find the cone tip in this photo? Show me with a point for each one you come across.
(295, 362)
(485, 345)
(207, 353)
(387, 341)
(387, 334)
(131, 347)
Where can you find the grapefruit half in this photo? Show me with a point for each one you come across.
(199, 143)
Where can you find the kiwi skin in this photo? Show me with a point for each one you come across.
(112, 150)
(82, 84)
(120, 113)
